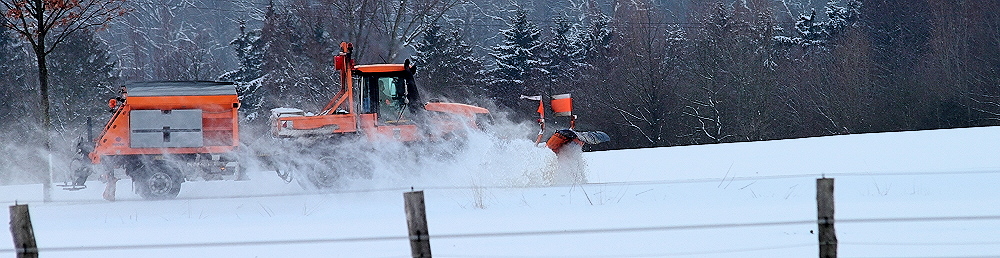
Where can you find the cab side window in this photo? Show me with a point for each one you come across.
(392, 99)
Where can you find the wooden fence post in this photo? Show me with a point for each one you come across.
(824, 208)
(20, 229)
(416, 221)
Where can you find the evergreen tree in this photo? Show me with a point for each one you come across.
(16, 86)
(812, 32)
(841, 17)
(562, 56)
(446, 64)
(297, 64)
(250, 52)
(431, 44)
(516, 59)
(82, 78)
(595, 40)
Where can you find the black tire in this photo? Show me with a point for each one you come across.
(325, 176)
(159, 182)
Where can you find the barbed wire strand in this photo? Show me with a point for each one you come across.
(706, 252)
(213, 244)
(919, 243)
(810, 175)
(920, 219)
(969, 256)
(507, 234)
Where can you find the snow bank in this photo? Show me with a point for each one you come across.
(496, 188)
(967, 149)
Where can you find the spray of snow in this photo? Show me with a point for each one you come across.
(26, 159)
(501, 156)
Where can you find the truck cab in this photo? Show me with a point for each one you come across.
(389, 91)
(378, 101)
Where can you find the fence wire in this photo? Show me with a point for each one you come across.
(692, 253)
(523, 234)
(583, 231)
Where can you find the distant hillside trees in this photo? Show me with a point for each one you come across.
(653, 73)
(962, 65)
(650, 73)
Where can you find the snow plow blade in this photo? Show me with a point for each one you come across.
(562, 137)
(593, 137)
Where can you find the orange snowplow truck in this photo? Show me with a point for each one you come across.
(381, 102)
(377, 103)
(163, 133)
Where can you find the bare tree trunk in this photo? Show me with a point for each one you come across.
(43, 88)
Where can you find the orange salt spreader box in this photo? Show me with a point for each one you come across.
(176, 117)
(162, 134)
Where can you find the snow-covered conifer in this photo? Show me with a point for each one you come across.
(516, 58)
(812, 32)
(250, 52)
(446, 65)
(563, 53)
(595, 40)
(841, 17)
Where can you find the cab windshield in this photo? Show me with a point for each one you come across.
(388, 95)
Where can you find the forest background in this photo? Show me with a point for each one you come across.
(650, 73)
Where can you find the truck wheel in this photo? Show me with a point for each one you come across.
(160, 182)
(326, 176)
(323, 180)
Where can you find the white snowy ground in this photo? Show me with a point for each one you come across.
(636, 204)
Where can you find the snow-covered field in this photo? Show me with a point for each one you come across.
(637, 203)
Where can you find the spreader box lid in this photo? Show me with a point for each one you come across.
(180, 88)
